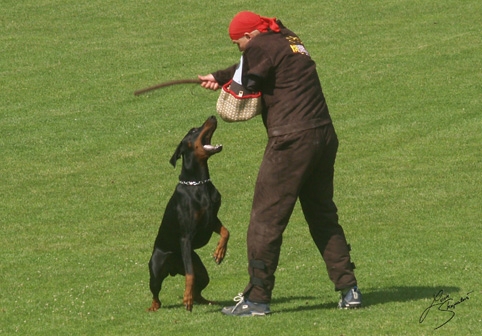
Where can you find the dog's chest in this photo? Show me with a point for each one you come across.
(201, 207)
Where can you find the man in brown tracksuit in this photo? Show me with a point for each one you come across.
(298, 161)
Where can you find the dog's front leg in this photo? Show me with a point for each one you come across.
(186, 250)
(222, 246)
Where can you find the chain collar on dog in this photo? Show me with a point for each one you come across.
(194, 183)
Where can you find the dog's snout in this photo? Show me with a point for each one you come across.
(212, 120)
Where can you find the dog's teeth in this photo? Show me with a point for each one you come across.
(211, 147)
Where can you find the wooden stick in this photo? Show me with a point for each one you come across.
(161, 85)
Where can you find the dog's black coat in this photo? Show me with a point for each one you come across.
(189, 220)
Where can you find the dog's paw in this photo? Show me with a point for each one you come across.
(155, 306)
(217, 259)
(188, 306)
(219, 254)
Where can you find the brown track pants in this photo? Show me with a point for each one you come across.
(296, 165)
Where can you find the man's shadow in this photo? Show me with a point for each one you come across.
(371, 297)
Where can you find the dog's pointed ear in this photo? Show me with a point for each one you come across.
(176, 155)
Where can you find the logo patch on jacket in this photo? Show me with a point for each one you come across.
(297, 46)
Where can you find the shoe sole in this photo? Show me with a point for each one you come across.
(246, 314)
(352, 306)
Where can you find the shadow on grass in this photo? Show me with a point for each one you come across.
(403, 294)
(372, 297)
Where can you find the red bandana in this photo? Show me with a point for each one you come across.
(246, 22)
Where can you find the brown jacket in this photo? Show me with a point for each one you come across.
(278, 65)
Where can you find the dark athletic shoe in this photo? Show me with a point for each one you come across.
(246, 308)
(351, 299)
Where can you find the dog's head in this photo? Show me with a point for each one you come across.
(198, 142)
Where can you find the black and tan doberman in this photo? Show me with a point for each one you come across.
(190, 218)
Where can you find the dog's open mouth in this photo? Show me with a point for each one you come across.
(209, 128)
(211, 149)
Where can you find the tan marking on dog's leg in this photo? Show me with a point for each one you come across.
(188, 292)
(222, 246)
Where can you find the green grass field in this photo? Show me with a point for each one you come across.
(85, 177)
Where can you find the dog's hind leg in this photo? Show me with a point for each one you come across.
(159, 270)
(186, 252)
(201, 279)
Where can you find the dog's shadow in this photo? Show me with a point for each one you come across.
(371, 297)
